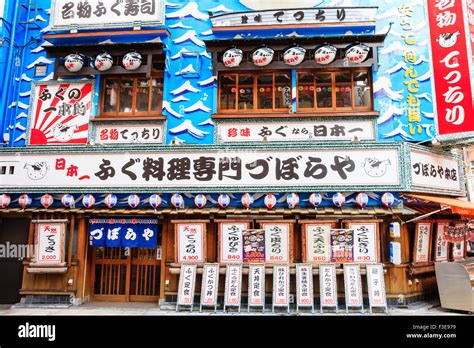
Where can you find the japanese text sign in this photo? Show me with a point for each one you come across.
(450, 66)
(129, 134)
(123, 232)
(67, 14)
(352, 284)
(198, 169)
(318, 242)
(376, 285)
(231, 241)
(365, 248)
(304, 285)
(422, 242)
(50, 243)
(328, 285)
(277, 242)
(60, 113)
(187, 283)
(190, 239)
(233, 285)
(254, 246)
(441, 246)
(256, 290)
(210, 284)
(458, 251)
(281, 285)
(342, 245)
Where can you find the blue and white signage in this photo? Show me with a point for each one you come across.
(123, 232)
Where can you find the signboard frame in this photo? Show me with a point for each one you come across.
(261, 266)
(177, 224)
(369, 285)
(428, 243)
(305, 245)
(376, 223)
(229, 266)
(286, 268)
(332, 266)
(290, 225)
(299, 266)
(347, 266)
(36, 260)
(185, 266)
(220, 235)
(204, 282)
(440, 234)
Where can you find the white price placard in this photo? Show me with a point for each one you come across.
(304, 285)
(376, 285)
(422, 242)
(365, 248)
(441, 246)
(277, 242)
(50, 243)
(210, 284)
(352, 285)
(233, 285)
(187, 283)
(281, 286)
(256, 291)
(318, 242)
(190, 238)
(231, 241)
(328, 285)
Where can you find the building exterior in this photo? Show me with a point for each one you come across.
(144, 136)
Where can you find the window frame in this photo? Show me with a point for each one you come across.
(135, 78)
(333, 73)
(255, 75)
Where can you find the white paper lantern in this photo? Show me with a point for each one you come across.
(357, 54)
(388, 199)
(224, 200)
(74, 62)
(232, 57)
(200, 200)
(133, 201)
(103, 61)
(155, 201)
(88, 201)
(5, 200)
(68, 200)
(24, 201)
(47, 200)
(177, 201)
(315, 199)
(325, 55)
(362, 199)
(292, 200)
(294, 56)
(263, 56)
(132, 61)
(110, 200)
(247, 200)
(338, 199)
(270, 201)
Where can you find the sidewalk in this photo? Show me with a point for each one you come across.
(152, 309)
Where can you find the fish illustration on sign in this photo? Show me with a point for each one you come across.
(376, 168)
(36, 171)
(447, 40)
(63, 133)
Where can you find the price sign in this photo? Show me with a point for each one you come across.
(210, 283)
(187, 283)
(190, 242)
(233, 285)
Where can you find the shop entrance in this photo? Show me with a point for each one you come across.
(126, 274)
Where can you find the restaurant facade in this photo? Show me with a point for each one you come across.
(149, 145)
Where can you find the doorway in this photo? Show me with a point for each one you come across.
(14, 239)
(126, 274)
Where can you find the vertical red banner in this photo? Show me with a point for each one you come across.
(450, 66)
(470, 21)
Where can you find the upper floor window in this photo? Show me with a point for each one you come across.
(321, 90)
(132, 96)
(255, 91)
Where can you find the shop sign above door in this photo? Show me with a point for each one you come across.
(322, 15)
(78, 14)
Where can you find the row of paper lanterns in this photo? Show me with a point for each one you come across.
(293, 56)
(74, 62)
(200, 200)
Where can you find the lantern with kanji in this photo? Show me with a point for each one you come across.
(263, 56)
(223, 200)
(4, 200)
(325, 55)
(103, 61)
(357, 53)
(133, 201)
(338, 199)
(74, 62)
(247, 200)
(292, 200)
(232, 57)
(294, 56)
(88, 201)
(132, 61)
(155, 201)
(110, 200)
(200, 200)
(270, 200)
(67, 200)
(47, 200)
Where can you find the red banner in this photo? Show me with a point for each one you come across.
(470, 20)
(450, 66)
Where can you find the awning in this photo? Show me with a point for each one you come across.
(457, 206)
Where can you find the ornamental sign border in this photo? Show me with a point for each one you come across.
(113, 25)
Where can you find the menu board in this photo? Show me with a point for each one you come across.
(458, 250)
(422, 242)
(254, 246)
(318, 242)
(281, 286)
(328, 285)
(190, 242)
(233, 285)
(365, 236)
(353, 286)
(441, 246)
(304, 285)
(277, 242)
(210, 284)
(376, 285)
(256, 290)
(187, 283)
(342, 244)
(50, 243)
(231, 241)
